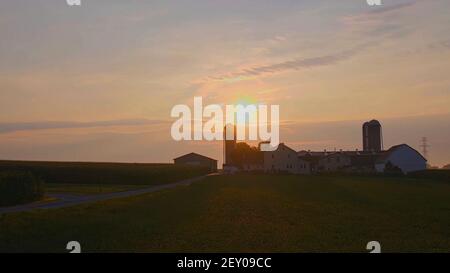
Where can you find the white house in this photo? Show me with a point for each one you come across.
(283, 159)
(403, 157)
(304, 166)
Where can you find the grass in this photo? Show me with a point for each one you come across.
(246, 213)
(88, 189)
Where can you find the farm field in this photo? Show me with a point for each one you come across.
(249, 213)
(85, 189)
(100, 174)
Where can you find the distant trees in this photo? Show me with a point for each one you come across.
(431, 167)
(246, 154)
(446, 167)
(19, 188)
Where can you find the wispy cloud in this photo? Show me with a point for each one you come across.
(27, 126)
(294, 64)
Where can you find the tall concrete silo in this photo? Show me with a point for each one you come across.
(372, 136)
(229, 143)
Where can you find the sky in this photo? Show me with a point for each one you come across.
(98, 82)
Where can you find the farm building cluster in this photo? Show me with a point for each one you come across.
(240, 157)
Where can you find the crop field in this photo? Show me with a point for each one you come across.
(103, 173)
(249, 213)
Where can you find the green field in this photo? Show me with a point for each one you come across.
(249, 213)
(85, 189)
(103, 173)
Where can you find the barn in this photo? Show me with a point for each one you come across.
(403, 157)
(194, 159)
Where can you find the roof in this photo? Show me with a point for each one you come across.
(327, 153)
(195, 154)
(289, 148)
(279, 146)
(309, 158)
(387, 153)
(358, 158)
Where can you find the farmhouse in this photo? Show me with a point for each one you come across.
(194, 159)
(283, 159)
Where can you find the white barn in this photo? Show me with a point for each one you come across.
(402, 156)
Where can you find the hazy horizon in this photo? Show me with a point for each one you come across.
(97, 82)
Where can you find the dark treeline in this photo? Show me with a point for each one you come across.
(103, 173)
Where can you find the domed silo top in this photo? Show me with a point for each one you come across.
(374, 122)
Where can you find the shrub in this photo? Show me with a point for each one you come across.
(392, 170)
(19, 188)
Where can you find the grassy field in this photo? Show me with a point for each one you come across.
(88, 189)
(249, 213)
(103, 173)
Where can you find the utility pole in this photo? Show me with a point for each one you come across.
(425, 147)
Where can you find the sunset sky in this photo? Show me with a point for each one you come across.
(97, 82)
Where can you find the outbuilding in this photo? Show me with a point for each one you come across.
(197, 160)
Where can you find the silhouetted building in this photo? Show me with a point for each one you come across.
(334, 161)
(194, 159)
(229, 144)
(372, 136)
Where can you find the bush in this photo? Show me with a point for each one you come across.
(19, 188)
(392, 170)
